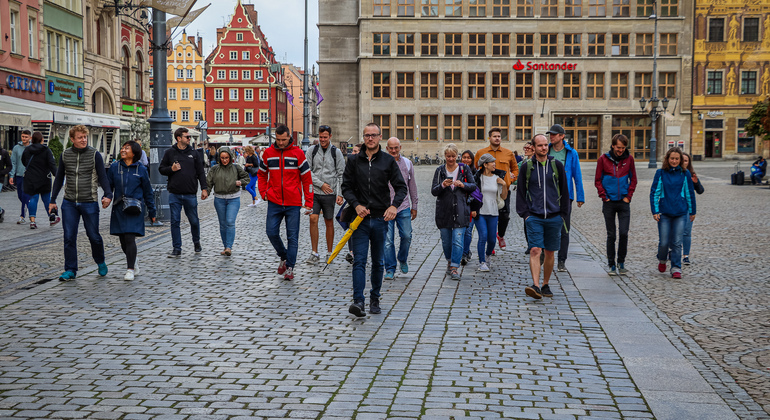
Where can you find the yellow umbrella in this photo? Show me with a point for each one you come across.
(353, 226)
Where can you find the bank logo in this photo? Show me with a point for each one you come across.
(518, 66)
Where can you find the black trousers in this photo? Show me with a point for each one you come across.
(128, 245)
(504, 216)
(622, 210)
(564, 248)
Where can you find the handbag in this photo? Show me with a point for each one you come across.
(500, 201)
(131, 205)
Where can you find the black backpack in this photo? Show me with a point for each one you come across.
(315, 152)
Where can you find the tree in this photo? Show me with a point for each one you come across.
(140, 129)
(758, 123)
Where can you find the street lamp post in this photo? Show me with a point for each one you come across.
(306, 94)
(654, 112)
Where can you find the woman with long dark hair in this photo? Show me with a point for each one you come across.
(38, 159)
(687, 237)
(252, 167)
(132, 192)
(224, 181)
(672, 198)
(491, 182)
(468, 159)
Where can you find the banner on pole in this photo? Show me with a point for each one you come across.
(174, 7)
(184, 21)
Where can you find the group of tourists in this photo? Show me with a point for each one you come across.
(472, 190)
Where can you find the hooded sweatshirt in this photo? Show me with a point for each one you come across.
(185, 180)
(539, 196)
(221, 178)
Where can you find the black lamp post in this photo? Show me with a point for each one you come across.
(654, 112)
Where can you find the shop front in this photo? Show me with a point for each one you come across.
(65, 92)
(719, 134)
(11, 124)
(22, 86)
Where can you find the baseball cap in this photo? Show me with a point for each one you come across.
(556, 129)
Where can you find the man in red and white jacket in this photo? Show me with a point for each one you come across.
(284, 177)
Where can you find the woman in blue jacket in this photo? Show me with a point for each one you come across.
(130, 179)
(672, 199)
(687, 237)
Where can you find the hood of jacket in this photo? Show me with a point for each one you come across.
(566, 146)
(613, 157)
(36, 148)
(229, 152)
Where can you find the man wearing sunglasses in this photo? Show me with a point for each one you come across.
(184, 169)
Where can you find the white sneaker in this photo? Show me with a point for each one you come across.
(259, 200)
(252, 205)
(313, 258)
(21, 221)
(483, 267)
(129, 275)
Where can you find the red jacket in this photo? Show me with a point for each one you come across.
(284, 175)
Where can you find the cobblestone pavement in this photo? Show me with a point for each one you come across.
(216, 337)
(718, 314)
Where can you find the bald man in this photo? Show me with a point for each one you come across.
(406, 213)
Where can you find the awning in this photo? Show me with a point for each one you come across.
(42, 112)
(15, 119)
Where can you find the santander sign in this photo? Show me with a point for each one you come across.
(544, 66)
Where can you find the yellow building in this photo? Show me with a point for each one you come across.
(731, 73)
(186, 70)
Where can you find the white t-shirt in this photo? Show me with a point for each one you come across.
(489, 191)
(453, 175)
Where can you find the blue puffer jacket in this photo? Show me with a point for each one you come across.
(572, 168)
(672, 193)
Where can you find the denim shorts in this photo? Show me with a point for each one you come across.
(544, 233)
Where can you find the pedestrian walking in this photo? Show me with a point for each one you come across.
(564, 153)
(224, 181)
(491, 182)
(17, 173)
(327, 166)
(672, 199)
(542, 203)
(252, 167)
(698, 187)
(184, 169)
(40, 168)
(615, 181)
(83, 168)
(5, 168)
(452, 182)
(504, 161)
(405, 213)
(130, 183)
(365, 187)
(284, 177)
(529, 151)
(468, 159)
(351, 158)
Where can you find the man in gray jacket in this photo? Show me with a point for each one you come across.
(16, 177)
(327, 164)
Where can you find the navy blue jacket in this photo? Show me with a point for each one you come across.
(539, 196)
(452, 209)
(134, 180)
(672, 192)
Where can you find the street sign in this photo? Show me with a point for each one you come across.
(203, 125)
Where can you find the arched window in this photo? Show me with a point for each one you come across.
(138, 93)
(101, 102)
(125, 72)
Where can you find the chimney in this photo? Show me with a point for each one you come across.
(220, 33)
(200, 45)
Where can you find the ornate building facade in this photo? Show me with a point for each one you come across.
(186, 70)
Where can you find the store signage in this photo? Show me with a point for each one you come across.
(530, 66)
(64, 91)
(713, 114)
(24, 84)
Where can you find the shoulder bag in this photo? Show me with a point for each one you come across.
(131, 205)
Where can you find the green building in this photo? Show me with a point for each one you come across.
(63, 44)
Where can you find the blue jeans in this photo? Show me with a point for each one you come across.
(371, 230)
(687, 237)
(18, 182)
(190, 204)
(251, 188)
(71, 213)
(404, 221)
(32, 206)
(452, 242)
(227, 211)
(487, 226)
(468, 237)
(275, 214)
(670, 232)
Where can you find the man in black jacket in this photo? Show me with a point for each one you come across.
(542, 200)
(365, 187)
(184, 170)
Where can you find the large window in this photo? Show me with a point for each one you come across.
(185, 94)
(549, 8)
(404, 85)
(32, 34)
(219, 94)
(643, 85)
(198, 115)
(248, 94)
(15, 32)
(621, 8)
(501, 8)
(525, 45)
(221, 74)
(197, 94)
(476, 127)
(429, 8)
(524, 85)
(751, 29)
(429, 85)
(125, 73)
(597, 8)
(716, 29)
(548, 45)
(248, 116)
(429, 44)
(668, 44)
(185, 115)
(573, 8)
(503, 123)
(233, 116)
(748, 83)
(523, 127)
(669, 8)
(381, 44)
(381, 85)
(595, 86)
(172, 94)
(233, 94)
(596, 43)
(477, 45)
(638, 130)
(453, 44)
(643, 44)
(429, 127)
(619, 86)
(620, 44)
(381, 7)
(219, 116)
(477, 86)
(645, 8)
(501, 85)
(233, 55)
(525, 8)
(453, 128)
(453, 8)
(667, 85)
(406, 7)
(405, 127)
(548, 85)
(383, 121)
(172, 114)
(583, 132)
(572, 44)
(571, 86)
(405, 44)
(501, 45)
(453, 83)
(477, 8)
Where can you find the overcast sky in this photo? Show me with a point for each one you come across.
(281, 21)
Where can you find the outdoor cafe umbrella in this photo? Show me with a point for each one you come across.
(353, 226)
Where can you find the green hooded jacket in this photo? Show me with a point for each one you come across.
(221, 178)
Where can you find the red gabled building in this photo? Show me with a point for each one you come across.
(244, 86)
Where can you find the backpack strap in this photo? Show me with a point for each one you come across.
(315, 152)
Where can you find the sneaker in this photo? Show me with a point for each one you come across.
(390, 275)
(198, 247)
(622, 269)
(493, 253)
(228, 252)
(686, 260)
(662, 266)
(67, 275)
(455, 274)
(176, 252)
(55, 220)
(252, 205)
(288, 274)
(501, 242)
(349, 257)
(464, 261)
(259, 200)
(281, 267)
(448, 268)
(404, 267)
(21, 221)
(103, 269)
(546, 291)
(676, 275)
(129, 275)
(33, 225)
(374, 306)
(561, 266)
(483, 267)
(533, 292)
(313, 258)
(613, 271)
(357, 308)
